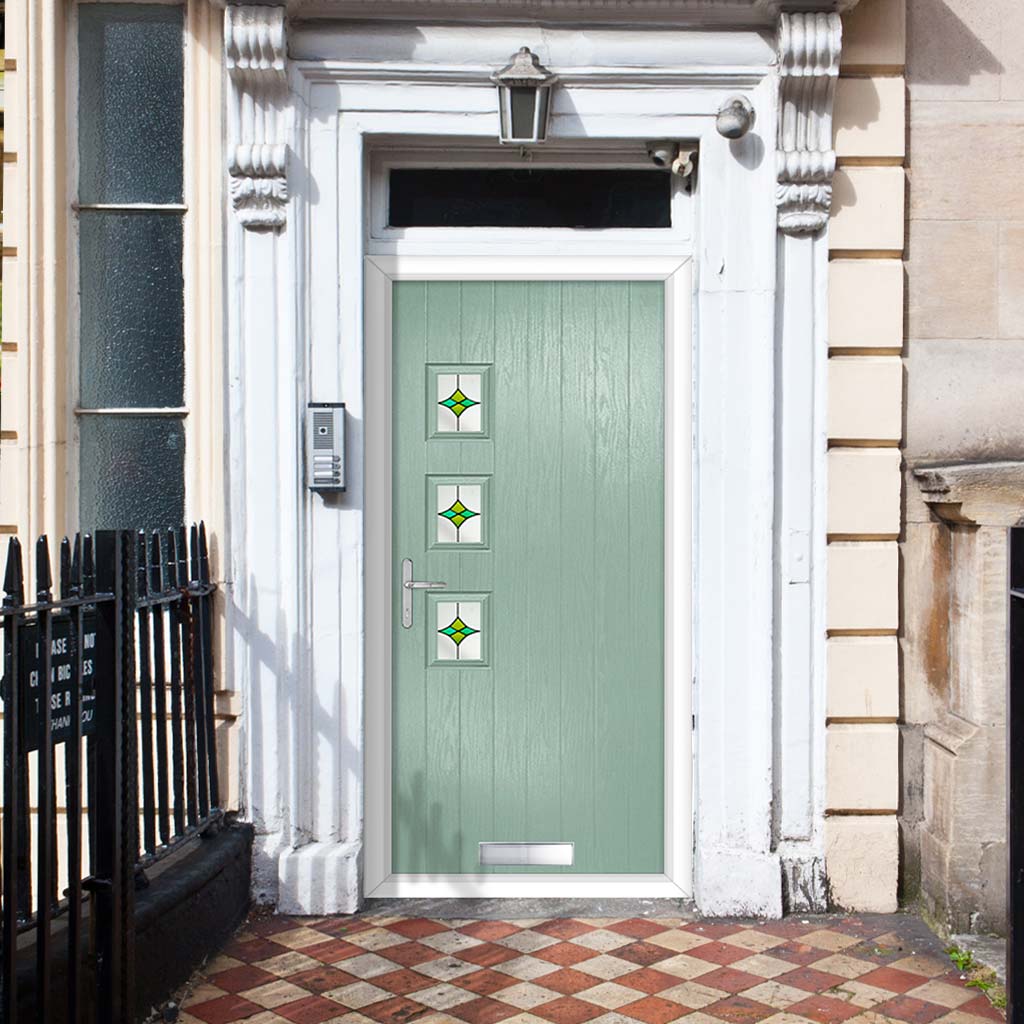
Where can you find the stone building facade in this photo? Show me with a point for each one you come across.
(853, 461)
(964, 362)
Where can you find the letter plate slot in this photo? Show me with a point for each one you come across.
(518, 854)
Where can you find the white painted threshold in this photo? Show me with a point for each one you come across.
(527, 886)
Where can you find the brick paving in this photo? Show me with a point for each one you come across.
(393, 970)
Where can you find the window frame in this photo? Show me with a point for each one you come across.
(385, 155)
(75, 410)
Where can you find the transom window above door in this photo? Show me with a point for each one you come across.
(529, 197)
(480, 198)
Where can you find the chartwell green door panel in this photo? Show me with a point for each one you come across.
(528, 475)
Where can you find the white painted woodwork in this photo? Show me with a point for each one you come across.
(299, 624)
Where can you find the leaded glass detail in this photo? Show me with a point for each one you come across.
(459, 400)
(459, 630)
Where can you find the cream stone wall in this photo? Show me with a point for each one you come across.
(37, 431)
(964, 443)
(865, 428)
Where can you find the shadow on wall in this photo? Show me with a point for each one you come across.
(942, 49)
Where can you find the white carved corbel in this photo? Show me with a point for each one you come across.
(809, 49)
(254, 54)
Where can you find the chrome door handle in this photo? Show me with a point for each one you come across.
(408, 586)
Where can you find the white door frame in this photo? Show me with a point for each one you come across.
(294, 321)
(380, 273)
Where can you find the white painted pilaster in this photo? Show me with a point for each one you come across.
(809, 48)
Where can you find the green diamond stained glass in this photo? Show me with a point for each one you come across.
(457, 631)
(458, 402)
(457, 514)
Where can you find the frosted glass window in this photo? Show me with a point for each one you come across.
(132, 319)
(130, 103)
(132, 472)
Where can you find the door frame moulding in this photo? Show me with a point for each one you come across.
(297, 616)
(379, 274)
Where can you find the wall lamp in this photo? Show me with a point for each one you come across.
(524, 99)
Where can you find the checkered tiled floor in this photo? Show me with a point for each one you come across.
(388, 970)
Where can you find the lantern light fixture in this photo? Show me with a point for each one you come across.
(524, 99)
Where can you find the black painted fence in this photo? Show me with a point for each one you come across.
(116, 671)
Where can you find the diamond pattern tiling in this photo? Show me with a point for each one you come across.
(396, 970)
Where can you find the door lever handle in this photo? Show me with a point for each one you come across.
(408, 586)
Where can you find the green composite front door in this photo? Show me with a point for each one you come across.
(529, 478)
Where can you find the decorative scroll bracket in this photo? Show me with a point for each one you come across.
(254, 54)
(809, 49)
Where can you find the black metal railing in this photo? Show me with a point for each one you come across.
(116, 671)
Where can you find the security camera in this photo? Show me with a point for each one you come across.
(662, 154)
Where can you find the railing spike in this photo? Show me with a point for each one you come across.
(141, 567)
(182, 557)
(44, 575)
(14, 575)
(204, 554)
(88, 566)
(65, 567)
(172, 559)
(76, 565)
(193, 535)
(156, 567)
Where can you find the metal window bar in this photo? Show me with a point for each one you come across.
(108, 661)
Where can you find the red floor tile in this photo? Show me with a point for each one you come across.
(915, 1011)
(568, 953)
(650, 980)
(825, 1009)
(567, 981)
(653, 1010)
(487, 954)
(739, 1010)
(490, 931)
(224, 1009)
(255, 949)
(811, 980)
(339, 926)
(321, 979)
(568, 1010)
(482, 1011)
(638, 927)
(646, 953)
(728, 979)
(238, 979)
(332, 951)
(982, 1007)
(401, 982)
(311, 1010)
(416, 927)
(892, 980)
(268, 926)
(719, 953)
(484, 982)
(563, 928)
(799, 953)
(393, 1011)
(408, 954)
